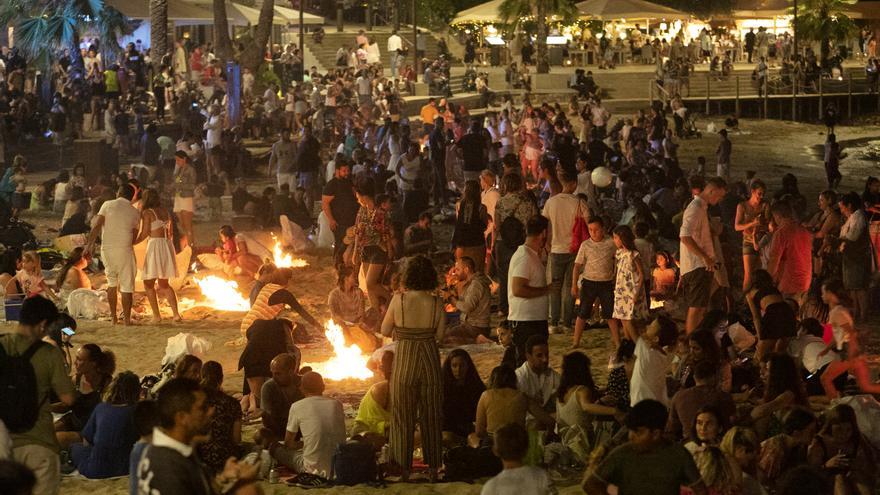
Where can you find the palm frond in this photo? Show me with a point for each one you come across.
(512, 11)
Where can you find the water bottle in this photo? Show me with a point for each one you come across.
(273, 475)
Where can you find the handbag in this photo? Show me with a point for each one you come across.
(579, 231)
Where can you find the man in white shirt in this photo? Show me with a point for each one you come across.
(562, 210)
(395, 43)
(528, 294)
(322, 424)
(593, 278)
(117, 223)
(535, 378)
(697, 251)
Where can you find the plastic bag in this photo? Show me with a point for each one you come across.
(184, 343)
(325, 235)
(88, 304)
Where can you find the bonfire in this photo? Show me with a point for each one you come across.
(222, 294)
(285, 260)
(348, 361)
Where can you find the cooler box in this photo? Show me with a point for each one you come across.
(12, 308)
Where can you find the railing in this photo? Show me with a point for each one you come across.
(801, 92)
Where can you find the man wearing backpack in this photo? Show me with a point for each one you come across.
(563, 210)
(29, 370)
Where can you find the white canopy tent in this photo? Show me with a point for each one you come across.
(613, 10)
(292, 16)
(483, 13)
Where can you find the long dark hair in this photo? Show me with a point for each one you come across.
(212, 375)
(782, 376)
(9, 260)
(711, 351)
(626, 236)
(575, 371)
(75, 257)
(502, 377)
(105, 362)
(123, 390)
(471, 378)
(470, 201)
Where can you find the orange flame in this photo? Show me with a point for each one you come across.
(348, 360)
(222, 294)
(285, 260)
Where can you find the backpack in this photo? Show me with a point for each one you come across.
(579, 231)
(464, 463)
(513, 232)
(354, 463)
(19, 404)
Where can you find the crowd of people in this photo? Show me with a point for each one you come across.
(730, 310)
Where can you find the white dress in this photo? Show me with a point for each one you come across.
(159, 262)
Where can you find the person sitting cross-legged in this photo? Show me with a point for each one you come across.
(321, 422)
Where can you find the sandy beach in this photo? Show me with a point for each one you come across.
(771, 148)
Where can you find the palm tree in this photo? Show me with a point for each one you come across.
(41, 27)
(513, 13)
(254, 52)
(158, 31)
(824, 21)
(222, 43)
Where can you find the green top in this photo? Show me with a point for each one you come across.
(661, 470)
(48, 363)
(371, 417)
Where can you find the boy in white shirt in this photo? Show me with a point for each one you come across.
(652, 362)
(511, 444)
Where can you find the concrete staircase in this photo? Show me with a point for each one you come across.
(326, 51)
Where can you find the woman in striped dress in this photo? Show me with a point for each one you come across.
(416, 319)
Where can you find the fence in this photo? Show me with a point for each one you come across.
(778, 97)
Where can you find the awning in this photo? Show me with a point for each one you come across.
(612, 10)
(177, 11)
(483, 13)
(292, 16)
(765, 9)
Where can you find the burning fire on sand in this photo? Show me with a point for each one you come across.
(285, 260)
(348, 361)
(222, 294)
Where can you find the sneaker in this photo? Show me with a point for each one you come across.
(555, 329)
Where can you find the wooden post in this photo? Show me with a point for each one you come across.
(737, 97)
(708, 92)
(369, 16)
(766, 100)
(794, 100)
(651, 92)
(821, 99)
(849, 97)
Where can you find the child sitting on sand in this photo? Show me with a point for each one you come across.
(28, 281)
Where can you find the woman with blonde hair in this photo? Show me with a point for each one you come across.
(741, 444)
(718, 472)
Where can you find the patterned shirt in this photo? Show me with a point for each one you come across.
(372, 228)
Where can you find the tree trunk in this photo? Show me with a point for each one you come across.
(222, 43)
(543, 62)
(252, 57)
(158, 32)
